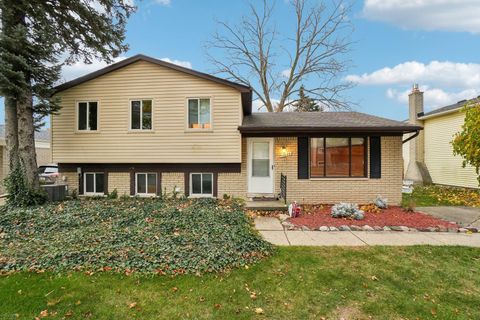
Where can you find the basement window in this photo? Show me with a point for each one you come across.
(93, 183)
(201, 184)
(146, 184)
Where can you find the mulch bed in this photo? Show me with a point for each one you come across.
(393, 216)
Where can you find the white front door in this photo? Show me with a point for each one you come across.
(260, 165)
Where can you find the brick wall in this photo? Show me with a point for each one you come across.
(71, 179)
(119, 181)
(171, 180)
(359, 190)
(235, 184)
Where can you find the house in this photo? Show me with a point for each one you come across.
(146, 127)
(42, 144)
(429, 158)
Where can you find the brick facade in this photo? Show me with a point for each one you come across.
(326, 190)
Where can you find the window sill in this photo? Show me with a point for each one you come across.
(196, 196)
(340, 179)
(198, 130)
(146, 195)
(92, 195)
(140, 131)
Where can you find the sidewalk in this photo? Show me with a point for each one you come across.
(273, 231)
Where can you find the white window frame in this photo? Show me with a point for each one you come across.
(88, 116)
(141, 115)
(210, 113)
(200, 195)
(146, 184)
(95, 193)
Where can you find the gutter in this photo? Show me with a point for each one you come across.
(411, 137)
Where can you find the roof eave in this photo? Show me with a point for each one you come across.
(312, 130)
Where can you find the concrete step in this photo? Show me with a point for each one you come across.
(276, 205)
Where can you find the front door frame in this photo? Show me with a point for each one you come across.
(271, 142)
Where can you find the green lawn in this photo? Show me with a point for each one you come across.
(436, 195)
(295, 283)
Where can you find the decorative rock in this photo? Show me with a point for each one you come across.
(333, 229)
(305, 228)
(344, 228)
(288, 225)
(367, 228)
(355, 228)
(412, 230)
(462, 230)
(452, 229)
(283, 216)
(377, 228)
(386, 228)
(399, 228)
(472, 229)
(324, 228)
(424, 229)
(442, 229)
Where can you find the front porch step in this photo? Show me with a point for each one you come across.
(275, 205)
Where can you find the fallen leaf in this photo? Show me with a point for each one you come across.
(69, 313)
(258, 310)
(132, 305)
(78, 302)
(217, 306)
(374, 278)
(44, 313)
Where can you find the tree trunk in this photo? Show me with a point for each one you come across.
(26, 140)
(11, 132)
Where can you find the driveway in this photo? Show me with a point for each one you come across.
(464, 216)
(272, 230)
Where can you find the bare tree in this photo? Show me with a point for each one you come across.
(250, 50)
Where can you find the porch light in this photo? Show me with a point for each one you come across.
(284, 152)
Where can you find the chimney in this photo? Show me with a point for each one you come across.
(417, 171)
(415, 105)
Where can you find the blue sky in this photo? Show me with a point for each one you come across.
(435, 43)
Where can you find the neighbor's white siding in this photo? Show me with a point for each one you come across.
(444, 167)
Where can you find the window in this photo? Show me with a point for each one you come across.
(201, 184)
(93, 183)
(199, 116)
(337, 157)
(261, 159)
(141, 115)
(87, 116)
(146, 183)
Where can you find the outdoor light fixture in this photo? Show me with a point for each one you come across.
(284, 152)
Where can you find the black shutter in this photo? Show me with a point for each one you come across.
(302, 152)
(132, 183)
(375, 158)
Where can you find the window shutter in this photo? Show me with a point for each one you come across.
(302, 153)
(375, 158)
(132, 183)
(159, 183)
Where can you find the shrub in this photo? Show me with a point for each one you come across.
(20, 193)
(347, 210)
(113, 194)
(380, 202)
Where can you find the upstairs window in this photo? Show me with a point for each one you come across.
(88, 116)
(338, 157)
(141, 115)
(199, 114)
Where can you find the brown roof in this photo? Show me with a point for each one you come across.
(322, 122)
(245, 90)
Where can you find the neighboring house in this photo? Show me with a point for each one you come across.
(145, 127)
(42, 144)
(429, 158)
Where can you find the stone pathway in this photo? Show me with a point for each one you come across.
(463, 216)
(271, 229)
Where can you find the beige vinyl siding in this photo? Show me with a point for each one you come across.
(444, 167)
(169, 141)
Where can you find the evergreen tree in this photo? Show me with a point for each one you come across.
(36, 38)
(305, 103)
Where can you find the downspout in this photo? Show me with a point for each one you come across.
(411, 137)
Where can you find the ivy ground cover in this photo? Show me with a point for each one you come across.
(132, 235)
(419, 282)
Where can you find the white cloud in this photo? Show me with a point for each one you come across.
(445, 15)
(434, 97)
(79, 69)
(186, 64)
(164, 2)
(286, 73)
(459, 75)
